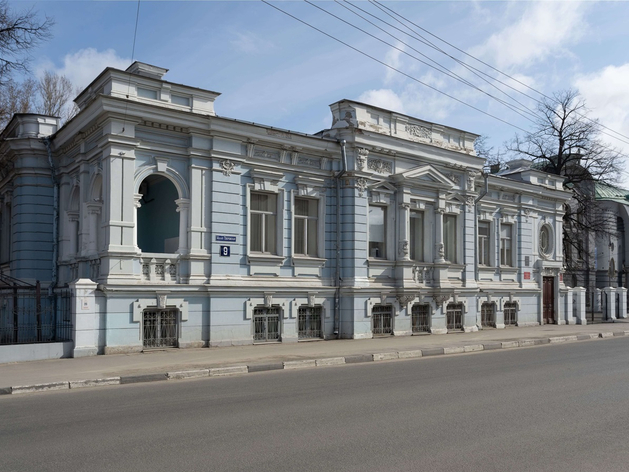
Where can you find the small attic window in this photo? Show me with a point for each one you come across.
(147, 93)
(180, 100)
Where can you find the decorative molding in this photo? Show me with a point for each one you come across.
(227, 166)
(419, 132)
(279, 134)
(422, 274)
(309, 162)
(379, 166)
(267, 154)
(361, 185)
(404, 248)
(361, 158)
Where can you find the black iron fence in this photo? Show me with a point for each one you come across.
(29, 314)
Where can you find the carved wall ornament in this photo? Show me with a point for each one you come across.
(311, 299)
(266, 154)
(441, 251)
(361, 158)
(279, 134)
(470, 203)
(361, 185)
(471, 179)
(309, 162)
(454, 178)
(403, 251)
(379, 166)
(441, 299)
(268, 300)
(420, 132)
(161, 301)
(227, 166)
(404, 300)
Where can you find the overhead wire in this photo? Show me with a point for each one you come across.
(552, 99)
(393, 68)
(438, 67)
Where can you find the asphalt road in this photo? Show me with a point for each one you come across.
(555, 408)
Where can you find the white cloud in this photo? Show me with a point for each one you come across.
(383, 98)
(84, 65)
(542, 30)
(392, 58)
(605, 93)
(250, 43)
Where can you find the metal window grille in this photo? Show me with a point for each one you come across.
(310, 322)
(509, 313)
(488, 315)
(382, 319)
(454, 316)
(266, 323)
(420, 315)
(160, 327)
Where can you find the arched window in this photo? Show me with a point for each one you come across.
(157, 218)
(545, 241)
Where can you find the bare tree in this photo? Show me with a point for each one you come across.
(16, 98)
(565, 142)
(55, 92)
(19, 33)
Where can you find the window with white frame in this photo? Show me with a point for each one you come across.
(506, 243)
(449, 238)
(263, 217)
(417, 235)
(306, 216)
(377, 231)
(483, 242)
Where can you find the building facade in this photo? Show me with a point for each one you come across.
(178, 227)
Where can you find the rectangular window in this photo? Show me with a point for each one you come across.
(377, 232)
(506, 232)
(417, 235)
(147, 93)
(483, 243)
(305, 216)
(449, 237)
(263, 229)
(180, 100)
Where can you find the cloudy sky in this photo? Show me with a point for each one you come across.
(276, 70)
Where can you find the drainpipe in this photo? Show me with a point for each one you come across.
(481, 195)
(337, 276)
(55, 219)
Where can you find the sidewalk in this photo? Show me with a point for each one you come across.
(185, 363)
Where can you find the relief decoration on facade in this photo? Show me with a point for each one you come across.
(265, 154)
(361, 158)
(422, 275)
(309, 162)
(403, 251)
(404, 300)
(379, 166)
(361, 185)
(227, 166)
(419, 132)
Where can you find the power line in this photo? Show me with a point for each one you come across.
(439, 67)
(393, 68)
(382, 7)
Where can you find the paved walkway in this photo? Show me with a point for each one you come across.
(156, 365)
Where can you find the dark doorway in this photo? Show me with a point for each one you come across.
(548, 292)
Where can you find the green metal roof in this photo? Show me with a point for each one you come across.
(607, 192)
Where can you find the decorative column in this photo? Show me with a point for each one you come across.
(403, 244)
(93, 212)
(137, 197)
(183, 208)
(439, 248)
(570, 319)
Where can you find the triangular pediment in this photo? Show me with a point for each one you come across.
(426, 175)
(382, 186)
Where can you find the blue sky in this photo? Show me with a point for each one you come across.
(271, 69)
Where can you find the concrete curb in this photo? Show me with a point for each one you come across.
(305, 363)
